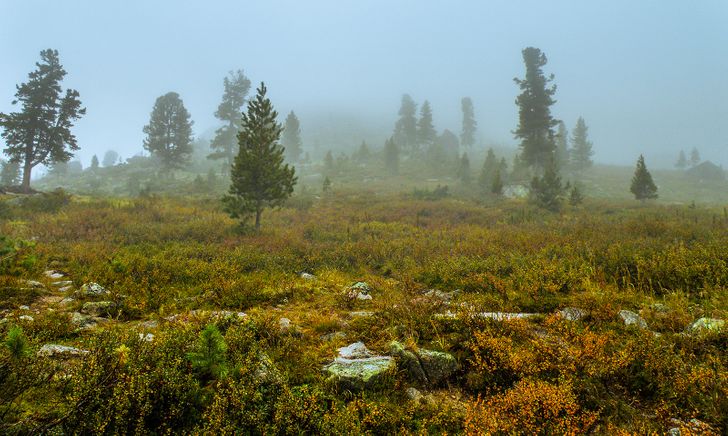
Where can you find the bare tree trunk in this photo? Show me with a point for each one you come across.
(26, 177)
(258, 211)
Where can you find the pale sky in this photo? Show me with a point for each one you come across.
(648, 76)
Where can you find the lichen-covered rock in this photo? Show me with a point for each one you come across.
(706, 325)
(573, 313)
(505, 316)
(92, 290)
(61, 351)
(99, 308)
(51, 274)
(357, 350)
(438, 365)
(359, 291)
(357, 369)
(631, 318)
(34, 284)
(307, 276)
(407, 361)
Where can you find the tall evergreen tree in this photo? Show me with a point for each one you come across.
(642, 186)
(329, 161)
(10, 173)
(94, 163)
(464, 169)
(110, 158)
(682, 161)
(426, 133)
(405, 130)
(562, 146)
(391, 157)
(547, 191)
(41, 132)
(581, 147)
(236, 87)
(535, 127)
(496, 186)
(467, 136)
(485, 179)
(259, 177)
(169, 132)
(292, 138)
(363, 154)
(694, 157)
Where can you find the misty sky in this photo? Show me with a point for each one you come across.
(648, 76)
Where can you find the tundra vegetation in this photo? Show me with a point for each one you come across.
(370, 296)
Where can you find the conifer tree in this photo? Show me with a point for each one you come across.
(209, 358)
(94, 163)
(363, 154)
(562, 146)
(426, 133)
(643, 187)
(581, 147)
(292, 138)
(10, 173)
(169, 132)
(327, 184)
(682, 161)
(535, 127)
(391, 157)
(259, 177)
(694, 157)
(329, 161)
(547, 191)
(41, 132)
(224, 144)
(485, 179)
(405, 130)
(464, 169)
(576, 197)
(467, 136)
(110, 158)
(496, 186)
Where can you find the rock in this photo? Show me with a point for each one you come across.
(407, 361)
(33, 284)
(515, 191)
(361, 314)
(631, 318)
(226, 314)
(706, 325)
(55, 350)
(99, 308)
(25, 318)
(93, 289)
(361, 373)
(361, 296)
(361, 287)
(65, 289)
(307, 276)
(438, 365)
(148, 337)
(62, 283)
(24, 307)
(333, 336)
(359, 291)
(440, 295)
(573, 313)
(266, 371)
(151, 324)
(67, 300)
(505, 316)
(285, 325)
(675, 431)
(413, 394)
(357, 350)
(51, 274)
(81, 320)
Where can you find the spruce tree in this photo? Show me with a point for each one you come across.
(467, 136)
(292, 138)
(94, 163)
(485, 179)
(10, 173)
(327, 184)
(547, 191)
(535, 127)
(643, 187)
(694, 157)
(562, 147)
(405, 130)
(110, 158)
(391, 157)
(259, 177)
(169, 132)
(581, 147)
(236, 87)
(329, 161)
(209, 358)
(464, 169)
(41, 132)
(496, 186)
(363, 154)
(682, 161)
(426, 133)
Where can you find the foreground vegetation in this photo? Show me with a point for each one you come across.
(174, 266)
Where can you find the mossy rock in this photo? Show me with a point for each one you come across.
(356, 375)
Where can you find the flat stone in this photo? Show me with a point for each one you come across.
(65, 289)
(146, 337)
(631, 318)
(99, 308)
(51, 274)
(505, 316)
(360, 374)
(573, 313)
(55, 350)
(357, 350)
(307, 276)
(26, 318)
(93, 289)
(361, 314)
(34, 284)
(706, 324)
(62, 283)
(24, 307)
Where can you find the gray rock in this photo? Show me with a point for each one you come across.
(67, 300)
(80, 320)
(442, 296)
(34, 284)
(408, 361)
(93, 289)
(573, 313)
(356, 368)
(99, 308)
(631, 318)
(65, 289)
(505, 316)
(413, 394)
(307, 276)
(364, 297)
(359, 291)
(333, 336)
(357, 350)
(284, 324)
(361, 287)
(62, 283)
(51, 274)
(675, 431)
(61, 351)
(148, 337)
(706, 325)
(25, 318)
(361, 314)
(24, 307)
(438, 365)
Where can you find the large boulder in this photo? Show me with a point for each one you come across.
(357, 369)
(438, 365)
(408, 361)
(99, 308)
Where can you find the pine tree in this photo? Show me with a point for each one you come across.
(682, 162)
(327, 184)
(94, 163)
(575, 195)
(259, 178)
(642, 186)
(209, 356)
(41, 132)
(467, 137)
(329, 161)
(496, 186)
(581, 147)
(10, 173)
(110, 158)
(547, 191)
(485, 179)
(426, 133)
(464, 169)
(363, 154)
(694, 157)
(391, 157)
(169, 132)
(405, 130)
(292, 138)
(535, 128)
(16, 343)
(236, 87)
(562, 146)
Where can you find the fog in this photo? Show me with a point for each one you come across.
(648, 77)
